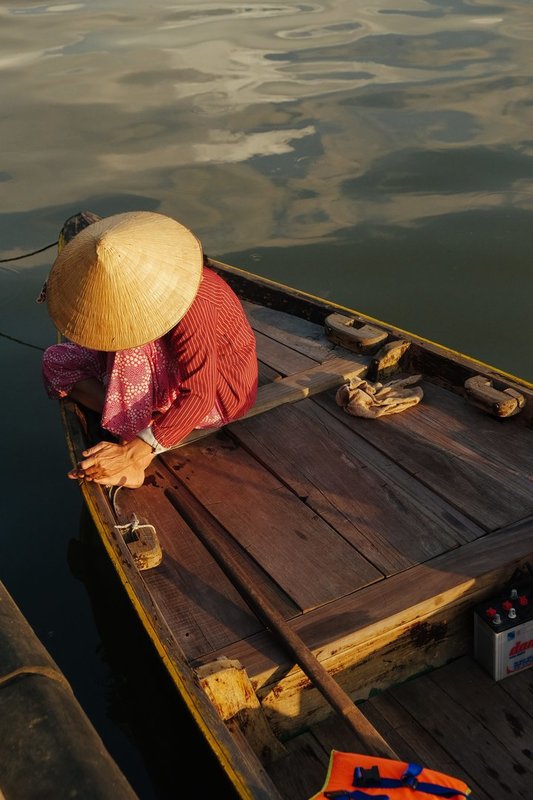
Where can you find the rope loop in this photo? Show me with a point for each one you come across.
(134, 525)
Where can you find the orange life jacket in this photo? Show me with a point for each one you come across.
(356, 777)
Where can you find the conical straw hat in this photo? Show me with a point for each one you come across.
(124, 280)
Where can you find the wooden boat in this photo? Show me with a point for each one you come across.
(309, 577)
(46, 739)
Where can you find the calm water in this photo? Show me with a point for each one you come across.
(377, 154)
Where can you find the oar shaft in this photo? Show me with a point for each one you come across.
(211, 533)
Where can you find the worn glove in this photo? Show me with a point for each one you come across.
(364, 399)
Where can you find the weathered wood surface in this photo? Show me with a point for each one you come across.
(341, 329)
(393, 520)
(447, 449)
(479, 722)
(372, 538)
(380, 635)
(299, 550)
(208, 530)
(202, 608)
(455, 720)
(229, 688)
(330, 504)
(295, 333)
(499, 402)
(241, 764)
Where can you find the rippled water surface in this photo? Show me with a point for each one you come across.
(379, 154)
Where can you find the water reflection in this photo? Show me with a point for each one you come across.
(376, 153)
(273, 125)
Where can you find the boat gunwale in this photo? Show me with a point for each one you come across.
(182, 671)
(316, 309)
(214, 729)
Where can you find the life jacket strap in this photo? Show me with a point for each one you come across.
(346, 794)
(370, 778)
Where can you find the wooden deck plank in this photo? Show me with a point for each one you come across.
(507, 442)
(413, 743)
(322, 377)
(455, 724)
(467, 572)
(455, 528)
(293, 388)
(281, 359)
(333, 733)
(476, 437)
(383, 633)
(407, 737)
(465, 682)
(385, 513)
(304, 555)
(201, 606)
(410, 740)
(520, 688)
(455, 470)
(301, 774)
(299, 334)
(188, 571)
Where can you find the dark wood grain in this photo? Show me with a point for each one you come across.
(303, 554)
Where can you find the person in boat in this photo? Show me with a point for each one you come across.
(156, 341)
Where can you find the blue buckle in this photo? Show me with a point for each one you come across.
(410, 776)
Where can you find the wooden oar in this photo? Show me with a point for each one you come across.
(211, 533)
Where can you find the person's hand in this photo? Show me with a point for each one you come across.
(114, 464)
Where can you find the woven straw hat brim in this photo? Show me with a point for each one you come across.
(124, 281)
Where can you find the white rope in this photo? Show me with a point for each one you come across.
(134, 525)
